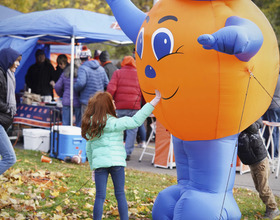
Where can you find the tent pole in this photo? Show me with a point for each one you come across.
(72, 79)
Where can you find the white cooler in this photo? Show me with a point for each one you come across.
(36, 139)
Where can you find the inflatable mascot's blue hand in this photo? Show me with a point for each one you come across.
(240, 37)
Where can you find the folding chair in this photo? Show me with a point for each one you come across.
(261, 132)
(278, 159)
(270, 126)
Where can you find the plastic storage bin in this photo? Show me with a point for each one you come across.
(36, 139)
(67, 141)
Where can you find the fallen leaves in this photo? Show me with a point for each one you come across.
(35, 190)
(29, 194)
(54, 193)
(88, 206)
(43, 194)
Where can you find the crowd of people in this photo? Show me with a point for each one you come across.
(109, 107)
(91, 74)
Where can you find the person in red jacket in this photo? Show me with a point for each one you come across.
(125, 89)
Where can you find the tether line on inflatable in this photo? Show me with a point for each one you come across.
(236, 144)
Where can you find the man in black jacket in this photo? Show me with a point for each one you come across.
(40, 75)
(252, 152)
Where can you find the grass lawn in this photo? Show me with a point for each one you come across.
(32, 189)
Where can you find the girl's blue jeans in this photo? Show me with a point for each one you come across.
(101, 178)
(6, 151)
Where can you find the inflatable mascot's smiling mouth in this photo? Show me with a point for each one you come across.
(214, 63)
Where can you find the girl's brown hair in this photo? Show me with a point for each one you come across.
(95, 115)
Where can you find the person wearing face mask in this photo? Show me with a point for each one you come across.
(9, 61)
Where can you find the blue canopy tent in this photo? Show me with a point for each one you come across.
(6, 12)
(60, 25)
(27, 32)
(20, 45)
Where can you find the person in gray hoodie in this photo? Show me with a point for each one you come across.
(9, 61)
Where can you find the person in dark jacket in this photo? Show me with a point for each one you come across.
(62, 88)
(252, 152)
(40, 75)
(109, 67)
(9, 61)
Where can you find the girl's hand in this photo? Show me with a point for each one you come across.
(156, 100)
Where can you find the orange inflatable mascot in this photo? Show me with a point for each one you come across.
(215, 64)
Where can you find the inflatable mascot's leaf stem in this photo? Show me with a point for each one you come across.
(214, 63)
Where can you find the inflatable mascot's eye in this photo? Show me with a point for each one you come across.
(140, 43)
(162, 43)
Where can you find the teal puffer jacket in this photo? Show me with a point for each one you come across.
(108, 150)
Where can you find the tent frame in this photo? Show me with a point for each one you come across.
(73, 39)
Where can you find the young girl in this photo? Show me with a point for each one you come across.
(105, 149)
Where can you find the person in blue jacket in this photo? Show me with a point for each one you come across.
(91, 78)
(105, 149)
(9, 61)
